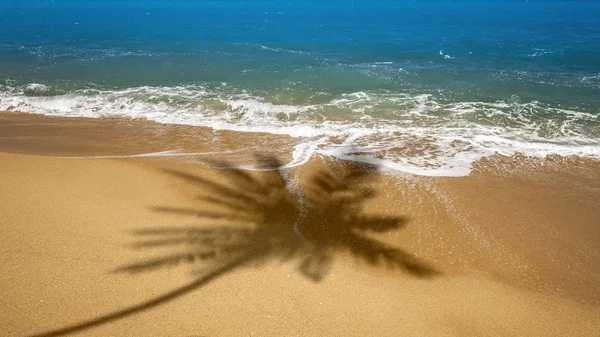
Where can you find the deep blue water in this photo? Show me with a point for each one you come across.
(498, 75)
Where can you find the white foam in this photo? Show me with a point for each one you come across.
(300, 156)
(37, 88)
(423, 136)
(280, 50)
(304, 151)
(251, 108)
(541, 52)
(168, 153)
(445, 56)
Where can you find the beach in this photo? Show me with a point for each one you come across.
(107, 231)
(270, 168)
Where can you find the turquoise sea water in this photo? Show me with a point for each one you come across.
(424, 86)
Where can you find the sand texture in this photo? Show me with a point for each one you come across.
(184, 246)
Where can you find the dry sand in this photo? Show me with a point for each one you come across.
(511, 250)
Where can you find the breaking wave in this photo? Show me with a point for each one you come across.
(414, 133)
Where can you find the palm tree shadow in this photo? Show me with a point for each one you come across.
(266, 217)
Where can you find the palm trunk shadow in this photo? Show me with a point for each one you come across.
(162, 299)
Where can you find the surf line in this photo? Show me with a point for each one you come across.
(168, 153)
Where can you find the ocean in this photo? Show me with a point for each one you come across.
(424, 86)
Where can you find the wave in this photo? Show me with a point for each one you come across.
(277, 50)
(445, 56)
(541, 52)
(414, 133)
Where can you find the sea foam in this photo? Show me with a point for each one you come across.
(412, 133)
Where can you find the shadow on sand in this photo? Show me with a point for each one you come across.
(269, 216)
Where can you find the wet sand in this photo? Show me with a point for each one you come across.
(175, 246)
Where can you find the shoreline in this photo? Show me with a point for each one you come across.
(514, 245)
(403, 152)
(110, 137)
(81, 136)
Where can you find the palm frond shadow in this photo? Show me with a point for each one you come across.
(260, 218)
(270, 219)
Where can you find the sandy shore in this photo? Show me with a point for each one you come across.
(172, 246)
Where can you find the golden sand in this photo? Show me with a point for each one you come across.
(175, 247)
